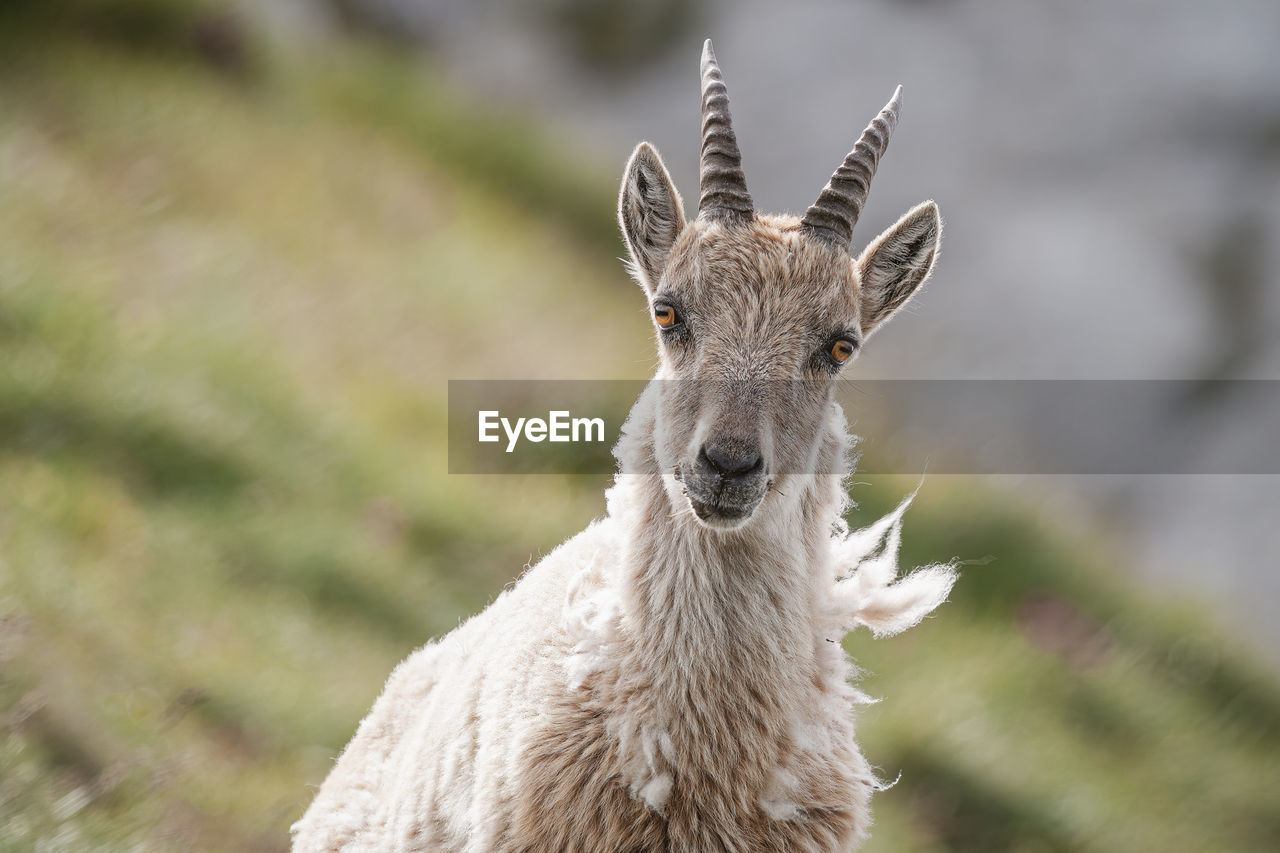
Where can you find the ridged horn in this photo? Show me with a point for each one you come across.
(840, 203)
(722, 184)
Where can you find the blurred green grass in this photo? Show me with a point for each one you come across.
(229, 305)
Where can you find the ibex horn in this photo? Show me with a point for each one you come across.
(840, 203)
(721, 181)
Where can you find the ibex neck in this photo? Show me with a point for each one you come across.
(720, 614)
(727, 610)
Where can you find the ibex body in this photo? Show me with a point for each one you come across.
(672, 677)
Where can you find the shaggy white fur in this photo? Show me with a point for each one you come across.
(439, 761)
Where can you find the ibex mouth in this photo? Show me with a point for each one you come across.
(717, 514)
(717, 502)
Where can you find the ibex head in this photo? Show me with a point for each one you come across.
(758, 314)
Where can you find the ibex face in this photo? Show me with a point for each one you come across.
(758, 314)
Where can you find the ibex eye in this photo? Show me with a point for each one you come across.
(842, 351)
(665, 315)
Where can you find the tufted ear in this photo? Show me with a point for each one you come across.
(651, 214)
(897, 263)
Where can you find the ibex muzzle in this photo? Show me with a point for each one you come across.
(728, 473)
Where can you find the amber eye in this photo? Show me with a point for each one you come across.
(841, 351)
(665, 315)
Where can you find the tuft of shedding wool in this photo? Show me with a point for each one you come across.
(592, 610)
(869, 592)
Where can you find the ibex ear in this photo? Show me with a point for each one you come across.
(897, 263)
(651, 214)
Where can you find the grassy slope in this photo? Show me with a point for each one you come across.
(227, 312)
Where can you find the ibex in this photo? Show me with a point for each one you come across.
(672, 677)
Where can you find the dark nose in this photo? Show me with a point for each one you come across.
(732, 460)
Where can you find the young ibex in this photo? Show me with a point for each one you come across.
(671, 678)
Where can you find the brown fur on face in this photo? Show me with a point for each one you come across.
(761, 301)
